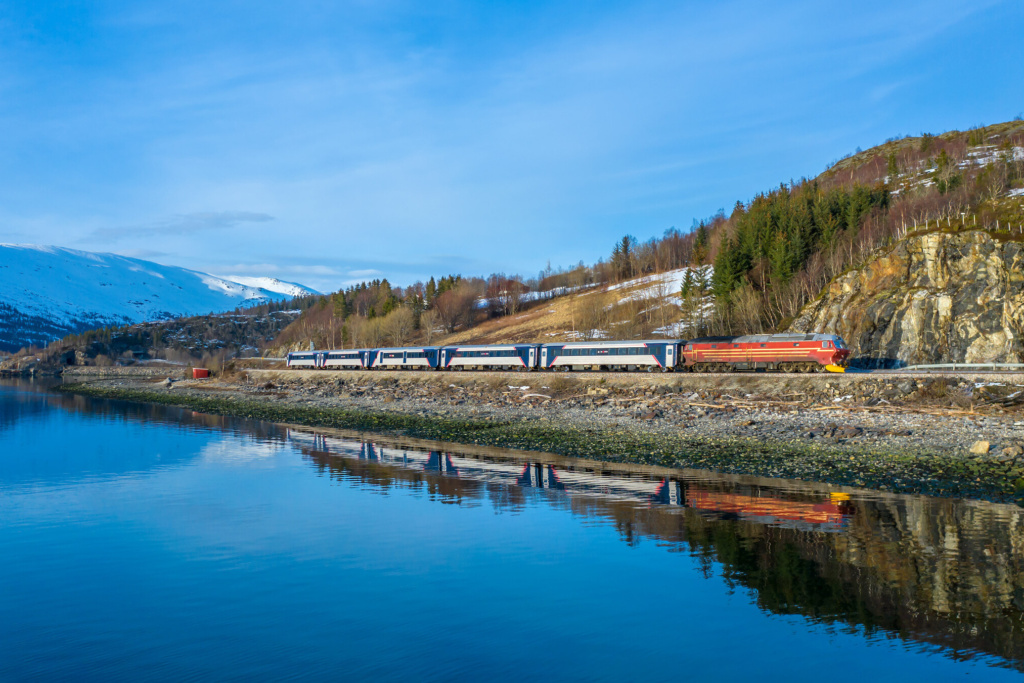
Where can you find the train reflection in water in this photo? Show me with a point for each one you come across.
(940, 573)
(829, 512)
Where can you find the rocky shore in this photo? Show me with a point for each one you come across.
(959, 436)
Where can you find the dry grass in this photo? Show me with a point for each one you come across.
(555, 320)
(560, 386)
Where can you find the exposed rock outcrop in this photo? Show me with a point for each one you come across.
(938, 297)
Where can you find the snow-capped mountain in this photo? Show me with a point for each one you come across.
(47, 292)
(271, 284)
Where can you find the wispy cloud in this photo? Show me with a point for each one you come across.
(181, 224)
(367, 272)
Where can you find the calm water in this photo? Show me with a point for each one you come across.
(150, 543)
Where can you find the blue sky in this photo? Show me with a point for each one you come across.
(325, 142)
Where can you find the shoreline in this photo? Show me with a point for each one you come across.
(660, 425)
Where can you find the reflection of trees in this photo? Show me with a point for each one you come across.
(129, 411)
(944, 572)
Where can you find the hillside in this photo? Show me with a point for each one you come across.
(775, 262)
(647, 306)
(48, 292)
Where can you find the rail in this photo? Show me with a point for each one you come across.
(963, 366)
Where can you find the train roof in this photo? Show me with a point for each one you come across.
(490, 346)
(621, 342)
(762, 338)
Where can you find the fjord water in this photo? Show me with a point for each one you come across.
(140, 542)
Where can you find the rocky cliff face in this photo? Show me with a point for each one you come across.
(931, 298)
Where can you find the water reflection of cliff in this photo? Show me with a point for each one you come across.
(938, 572)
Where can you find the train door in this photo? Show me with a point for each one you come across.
(405, 357)
(533, 358)
(544, 358)
(444, 358)
(670, 355)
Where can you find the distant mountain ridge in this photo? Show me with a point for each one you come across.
(47, 292)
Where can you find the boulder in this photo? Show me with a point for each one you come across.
(981, 447)
(1013, 451)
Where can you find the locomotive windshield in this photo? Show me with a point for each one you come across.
(840, 344)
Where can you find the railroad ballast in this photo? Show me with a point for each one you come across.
(772, 352)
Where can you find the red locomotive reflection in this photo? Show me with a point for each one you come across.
(765, 509)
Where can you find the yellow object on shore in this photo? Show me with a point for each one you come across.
(834, 368)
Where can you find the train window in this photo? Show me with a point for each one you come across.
(714, 346)
(735, 346)
(825, 345)
(796, 344)
(763, 345)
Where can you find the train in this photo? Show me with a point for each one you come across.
(788, 352)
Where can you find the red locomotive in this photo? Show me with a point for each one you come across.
(783, 352)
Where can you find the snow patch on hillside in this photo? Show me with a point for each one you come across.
(668, 285)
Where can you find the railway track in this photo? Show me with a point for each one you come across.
(659, 378)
